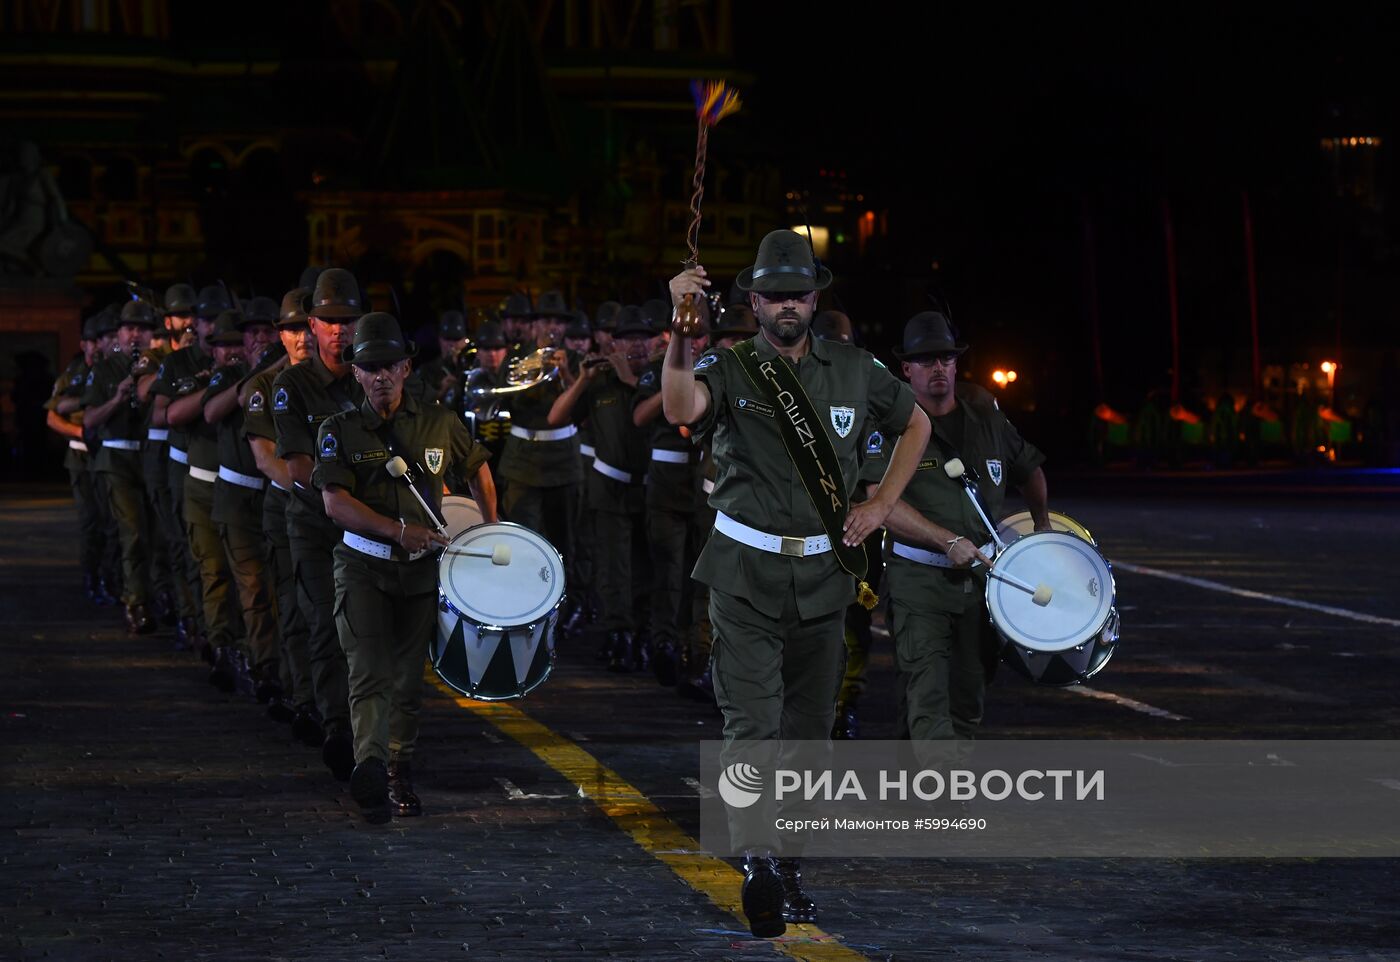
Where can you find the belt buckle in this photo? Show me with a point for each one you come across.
(793, 547)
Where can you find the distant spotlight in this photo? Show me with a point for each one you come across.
(1010, 376)
(1328, 367)
(1000, 378)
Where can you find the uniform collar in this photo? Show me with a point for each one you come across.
(819, 349)
(372, 419)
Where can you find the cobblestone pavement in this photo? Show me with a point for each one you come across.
(149, 817)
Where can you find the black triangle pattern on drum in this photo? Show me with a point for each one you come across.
(499, 675)
(452, 662)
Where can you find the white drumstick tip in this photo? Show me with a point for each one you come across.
(397, 467)
(500, 555)
(1042, 595)
(953, 468)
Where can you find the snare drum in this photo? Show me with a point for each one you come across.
(1017, 525)
(1071, 638)
(495, 637)
(460, 514)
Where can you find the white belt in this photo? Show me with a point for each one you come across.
(557, 434)
(200, 474)
(617, 474)
(707, 486)
(774, 543)
(242, 480)
(77, 445)
(587, 450)
(670, 457)
(157, 434)
(276, 485)
(934, 559)
(123, 445)
(377, 549)
(178, 456)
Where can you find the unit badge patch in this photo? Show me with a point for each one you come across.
(994, 471)
(433, 458)
(843, 419)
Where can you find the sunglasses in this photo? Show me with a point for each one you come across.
(929, 360)
(779, 297)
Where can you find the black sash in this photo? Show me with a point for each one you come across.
(812, 453)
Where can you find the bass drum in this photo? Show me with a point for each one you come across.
(495, 637)
(1020, 524)
(1070, 639)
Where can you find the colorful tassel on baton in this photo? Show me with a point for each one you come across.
(714, 100)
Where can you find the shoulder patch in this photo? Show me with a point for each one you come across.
(706, 361)
(878, 362)
(647, 379)
(90, 376)
(217, 381)
(160, 371)
(279, 400)
(330, 447)
(875, 444)
(255, 402)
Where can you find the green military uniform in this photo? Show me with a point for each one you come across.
(944, 645)
(292, 625)
(119, 462)
(616, 496)
(302, 397)
(777, 618)
(71, 384)
(238, 511)
(541, 467)
(194, 454)
(673, 495)
(385, 607)
(177, 366)
(167, 570)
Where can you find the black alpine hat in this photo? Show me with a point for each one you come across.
(631, 320)
(378, 340)
(226, 328)
(140, 314)
(294, 305)
(928, 332)
(833, 326)
(735, 319)
(213, 299)
(551, 304)
(452, 325)
(489, 336)
(784, 263)
(517, 305)
(337, 296)
(579, 326)
(180, 299)
(605, 318)
(260, 310)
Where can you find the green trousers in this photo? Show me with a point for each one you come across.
(774, 678)
(944, 646)
(160, 552)
(207, 548)
(247, 551)
(110, 565)
(176, 474)
(385, 612)
(669, 534)
(168, 509)
(295, 661)
(545, 511)
(127, 490)
(312, 547)
(89, 513)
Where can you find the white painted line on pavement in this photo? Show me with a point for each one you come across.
(1391, 783)
(1132, 703)
(514, 793)
(1257, 595)
(700, 790)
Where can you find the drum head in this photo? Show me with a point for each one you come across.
(1082, 598)
(501, 596)
(1020, 524)
(460, 514)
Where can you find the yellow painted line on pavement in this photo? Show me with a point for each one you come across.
(648, 826)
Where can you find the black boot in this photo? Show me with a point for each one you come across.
(572, 623)
(280, 710)
(369, 787)
(166, 608)
(402, 801)
(847, 725)
(605, 648)
(762, 897)
(641, 649)
(701, 687)
(104, 594)
(139, 620)
(620, 646)
(243, 681)
(269, 686)
(185, 631)
(306, 726)
(797, 907)
(90, 582)
(223, 675)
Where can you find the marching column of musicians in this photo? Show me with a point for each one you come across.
(227, 459)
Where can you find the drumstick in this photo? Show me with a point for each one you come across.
(499, 554)
(398, 468)
(1041, 593)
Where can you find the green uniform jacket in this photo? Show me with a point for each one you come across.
(618, 443)
(175, 378)
(127, 423)
(234, 503)
(991, 448)
(302, 397)
(540, 464)
(757, 483)
(257, 408)
(352, 451)
(72, 383)
(672, 487)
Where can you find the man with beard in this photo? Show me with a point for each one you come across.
(385, 571)
(118, 416)
(297, 704)
(616, 492)
(784, 560)
(945, 647)
(302, 397)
